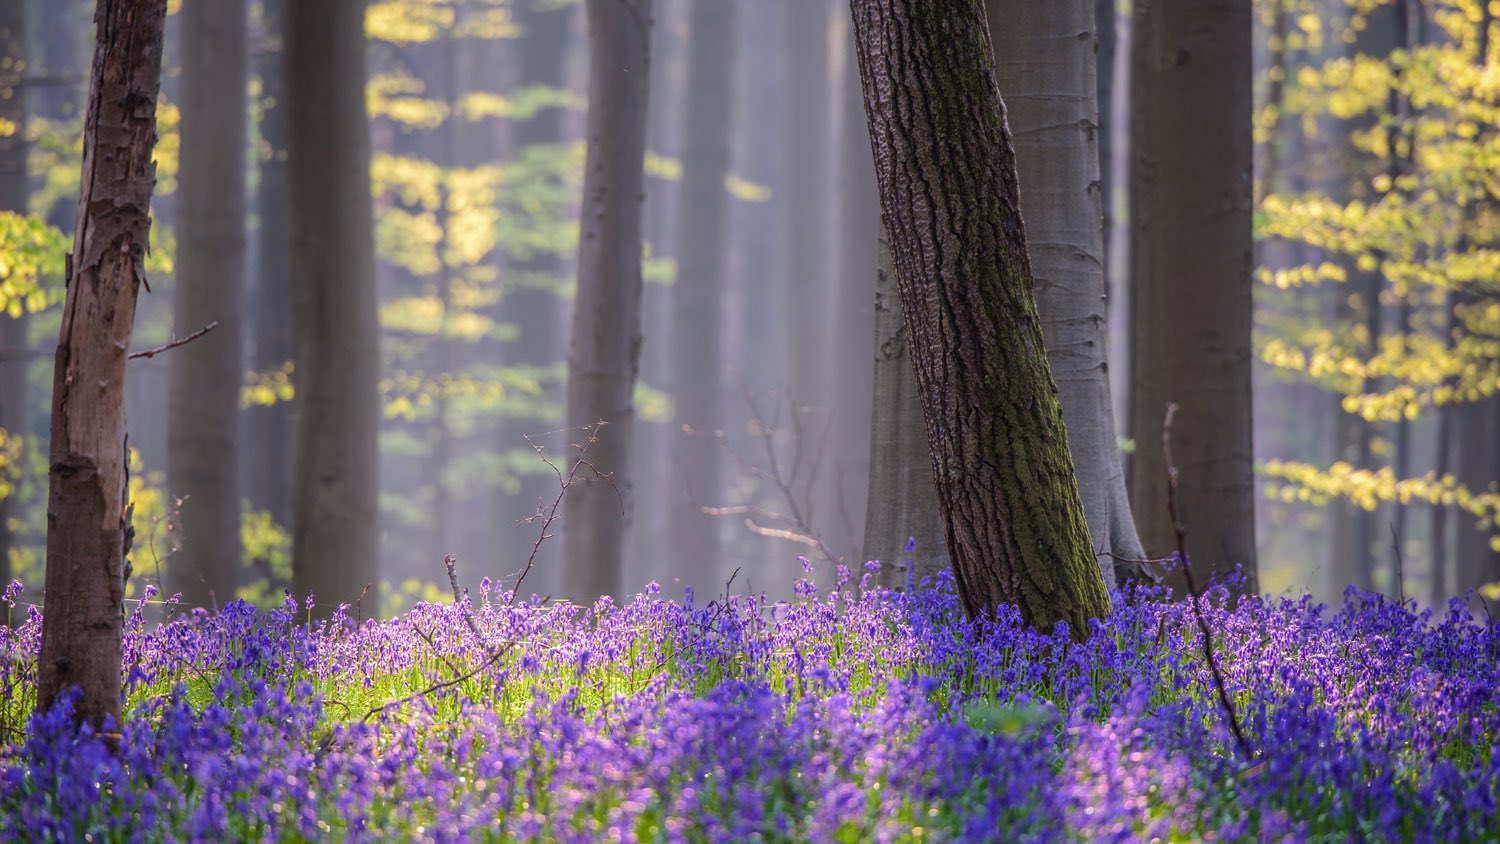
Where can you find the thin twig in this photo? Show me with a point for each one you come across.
(564, 482)
(1400, 565)
(1187, 572)
(151, 353)
(493, 658)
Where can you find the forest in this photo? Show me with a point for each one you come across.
(749, 420)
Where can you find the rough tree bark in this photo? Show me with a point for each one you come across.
(606, 347)
(269, 431)
(335, 486)
(948, 189)
(1191, 258)
(902, 506)
(1046, 72)
(14, 195)
(203, 416)
(88, 509)
(698, 293)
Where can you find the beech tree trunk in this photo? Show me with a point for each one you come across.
(335, 534)
(903, 525)
(1046, 72)
(852, 371)
(88, 508)
(14, 196)
(805, 138)
(269, 431)
(606, 347)
(947, 173)
(1478, 429)
(203, 420)
(699, 290)
(1191, 260)
(534, 308)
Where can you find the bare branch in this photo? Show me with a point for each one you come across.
(151, 353)
(1187, 571)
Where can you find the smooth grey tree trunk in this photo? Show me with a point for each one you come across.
(203, 422)
(1478, 429)
(698, 293)
(1046, 73)
(335, 536)
(535, 310)
(269, 431)
(14, 196)
(606, 344)
(903, 526)
(1191, 257)
(805, 211)
(853, 317)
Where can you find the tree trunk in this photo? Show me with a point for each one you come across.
(203, 422)
(853, 315)
(88, 509)
(903, 525)
(698, 292)
(335, 499)
(1191, 259)
(269, 429)
(946, 169)
(606, 346)
(14, 196)
(534, 309)
(1478, 429)
(805, 139)
(1045, 70)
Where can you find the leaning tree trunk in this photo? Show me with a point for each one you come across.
(903, 525)
(698, 293)
(606, 347)
(335, 486)
(1191, 257)
(1046, 73)
(203, 427)
(14, 196)
(88, 508)
(269, 429)
(947, 175)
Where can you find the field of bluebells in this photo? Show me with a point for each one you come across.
(850, 715)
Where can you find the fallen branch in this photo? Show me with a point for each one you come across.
(151, 353)
(1187, 572)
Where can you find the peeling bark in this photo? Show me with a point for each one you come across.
(88, 512)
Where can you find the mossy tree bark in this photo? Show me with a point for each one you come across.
(1046, 73)
(948, 189)
(88, 508)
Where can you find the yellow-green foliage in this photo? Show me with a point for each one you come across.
(1416, 208)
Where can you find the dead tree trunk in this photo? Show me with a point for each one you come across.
(947, 174)
(88, 508)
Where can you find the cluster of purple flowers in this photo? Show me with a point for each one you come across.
(853, 715)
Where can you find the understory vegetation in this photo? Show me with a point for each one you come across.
(855, 714)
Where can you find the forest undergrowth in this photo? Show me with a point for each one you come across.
(852, 714)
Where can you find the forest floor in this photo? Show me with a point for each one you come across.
(850, 715)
